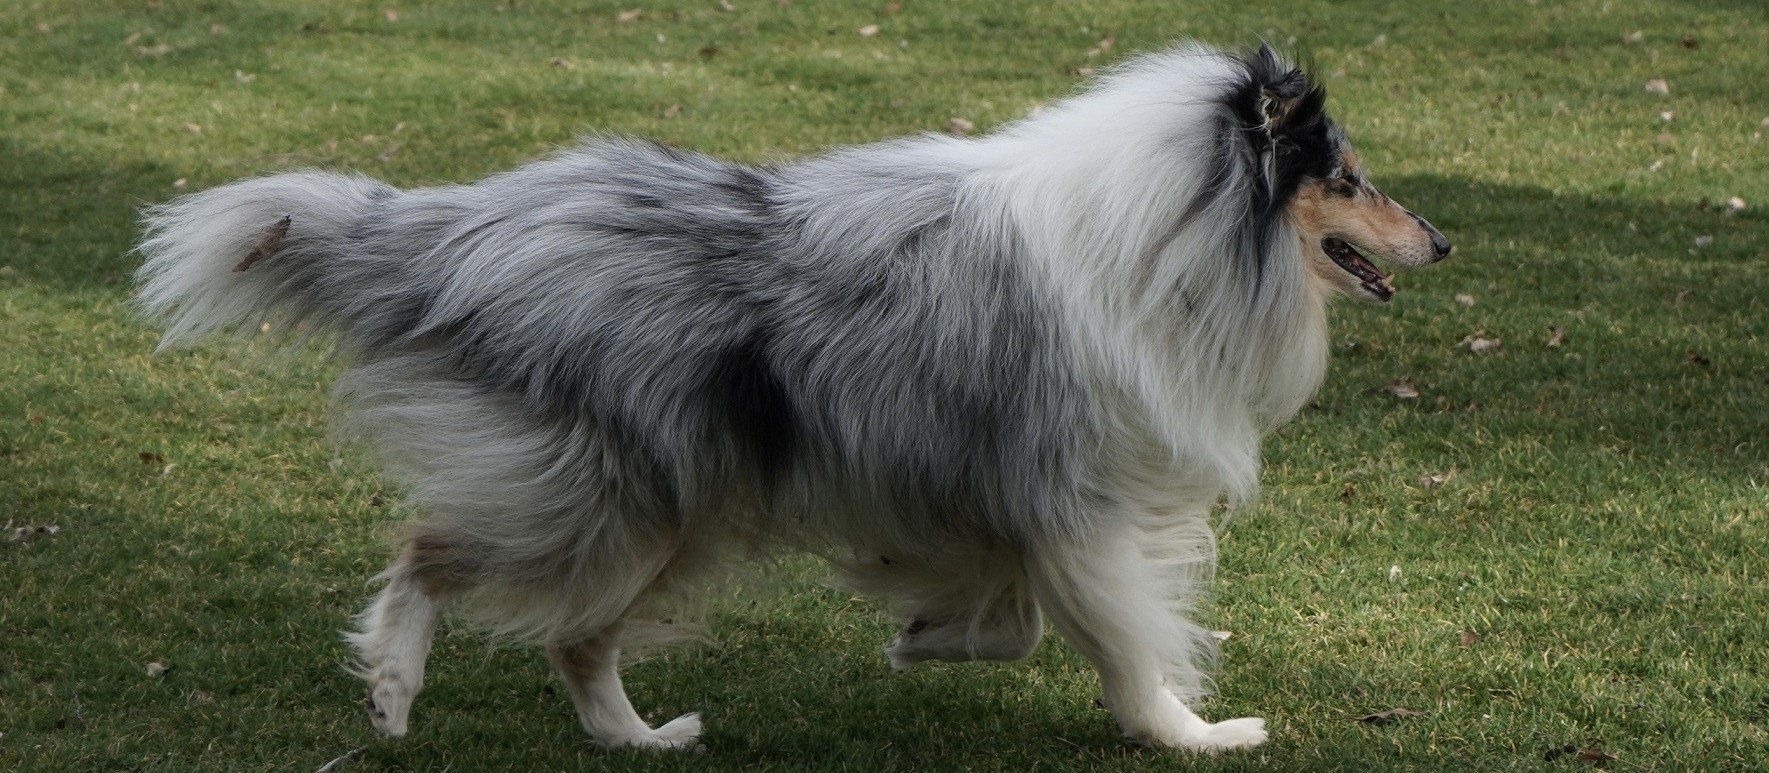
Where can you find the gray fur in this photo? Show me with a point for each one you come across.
(613, 298)
(994, 385)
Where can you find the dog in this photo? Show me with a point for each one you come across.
(995, 382)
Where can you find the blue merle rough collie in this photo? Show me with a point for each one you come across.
(996, 381)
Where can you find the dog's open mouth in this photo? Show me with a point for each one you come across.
(1358, 266)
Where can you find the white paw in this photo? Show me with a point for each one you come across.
(1242, 733)
(389, 704)
(681, 733)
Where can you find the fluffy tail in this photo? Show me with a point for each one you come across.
(239, 253)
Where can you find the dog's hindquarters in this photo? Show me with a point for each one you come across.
(546, 530)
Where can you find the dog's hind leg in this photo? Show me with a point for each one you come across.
(1005, 625)
(398, 626)
(960, 606)
(1113, 603)
(590, 669)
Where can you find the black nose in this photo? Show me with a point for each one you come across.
(1438, 242)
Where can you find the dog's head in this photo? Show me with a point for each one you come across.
(1311, 172)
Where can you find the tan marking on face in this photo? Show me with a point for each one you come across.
(1311, 218)
(1361, 216)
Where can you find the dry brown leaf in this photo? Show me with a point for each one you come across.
(1469, 637)
(960, 126)
(672, 111)
(1632, 38)
(268, 242)
(892, 9)
(561, 63)
(390, 15)
(157, 669)
(1348, 492)
(868, 31)
(1556, 337)
(202, 697)
(1433, 481)
(633, 15)
(1402, 389)
(1465, 299)
(149, 457)
(1658, 86)
(194, 128)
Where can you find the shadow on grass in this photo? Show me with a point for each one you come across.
(68, 222)
(1663, 305)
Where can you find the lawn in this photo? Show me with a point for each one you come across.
(1555, 552)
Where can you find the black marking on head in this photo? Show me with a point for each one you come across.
(1283, 114)
(1282, 135)
(756, 405)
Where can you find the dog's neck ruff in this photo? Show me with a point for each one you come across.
(1143, 218)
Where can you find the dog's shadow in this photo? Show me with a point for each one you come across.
(1657, 303)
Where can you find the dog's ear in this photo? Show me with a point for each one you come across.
(1282, 88)
(1284, 130)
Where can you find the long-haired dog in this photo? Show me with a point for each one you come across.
(995, 381)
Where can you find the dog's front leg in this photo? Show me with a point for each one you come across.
(1114, 605)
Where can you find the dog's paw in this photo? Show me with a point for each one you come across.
(1243, 733)
(903, 650)
(389, 704)
(679, 734)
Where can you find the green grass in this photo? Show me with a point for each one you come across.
(1602, 530)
